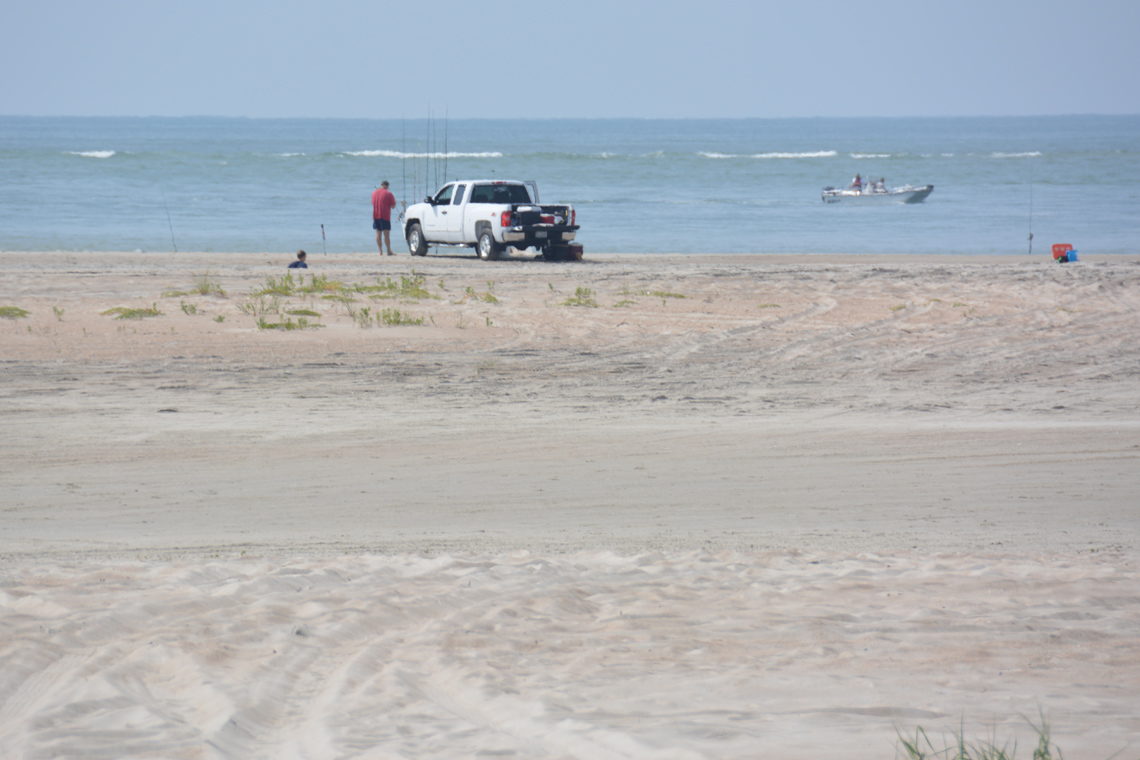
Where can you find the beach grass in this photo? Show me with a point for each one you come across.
(204, 285)
(486, 296)
(957, 747)
(123, 312)
(287, 285)
(289, 324)
(396, 318)
(408, 286)
(582, 297)
(13, 312)
(259, 305)
(207, 285)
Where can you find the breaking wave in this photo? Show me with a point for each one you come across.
(813, 154)
(401, 154)
(92, 153)
(810, 154)
(1026, 154)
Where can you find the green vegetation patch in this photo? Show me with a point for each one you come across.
(261, 305)
(287, 285)
(278, 286)
(395, 318)
(204, 285)
(486, 296)
(412, 287)
(652, 293)
(300, 324)
(582, 297)
(319, 283)
(122, 312)
(922, 747)
(13, 312)
(365, 317)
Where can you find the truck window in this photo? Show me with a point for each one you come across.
(443, 197)
(503, 193)
(519, 194)
(458, 195)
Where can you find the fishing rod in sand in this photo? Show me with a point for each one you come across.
(169, 223)
(1030, 218)
(427, 156)
(324, 247)
(403, 168)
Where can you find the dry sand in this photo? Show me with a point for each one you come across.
(744, 507)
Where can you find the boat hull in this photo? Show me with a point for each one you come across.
(907, 194)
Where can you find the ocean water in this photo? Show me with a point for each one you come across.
(689, 186)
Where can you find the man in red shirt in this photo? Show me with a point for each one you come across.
(382, 204)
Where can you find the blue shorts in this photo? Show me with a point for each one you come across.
(381, 224)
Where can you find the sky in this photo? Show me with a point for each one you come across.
(579, 58)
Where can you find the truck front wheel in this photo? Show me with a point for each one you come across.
(416, 243)
(487, 248)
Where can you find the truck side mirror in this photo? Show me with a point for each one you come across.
(429, 199)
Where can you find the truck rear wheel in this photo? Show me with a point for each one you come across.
(416, 243)
(486, 247)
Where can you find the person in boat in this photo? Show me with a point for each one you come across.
(880, 186)
(857, 183)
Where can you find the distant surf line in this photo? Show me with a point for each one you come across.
(776, 155)
(432, 155)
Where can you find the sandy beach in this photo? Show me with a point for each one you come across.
(640, 506)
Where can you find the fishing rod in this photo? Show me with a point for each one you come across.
(324, 247)
(169, 223)
(1030, 218)
(445, 143)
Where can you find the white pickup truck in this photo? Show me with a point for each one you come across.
(489, 215)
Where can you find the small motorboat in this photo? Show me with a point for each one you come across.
(903, 194)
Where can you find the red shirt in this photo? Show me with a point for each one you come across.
(382, 204)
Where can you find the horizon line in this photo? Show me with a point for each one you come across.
(563, 118)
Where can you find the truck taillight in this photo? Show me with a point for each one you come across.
(505, 219)
(573, 217)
